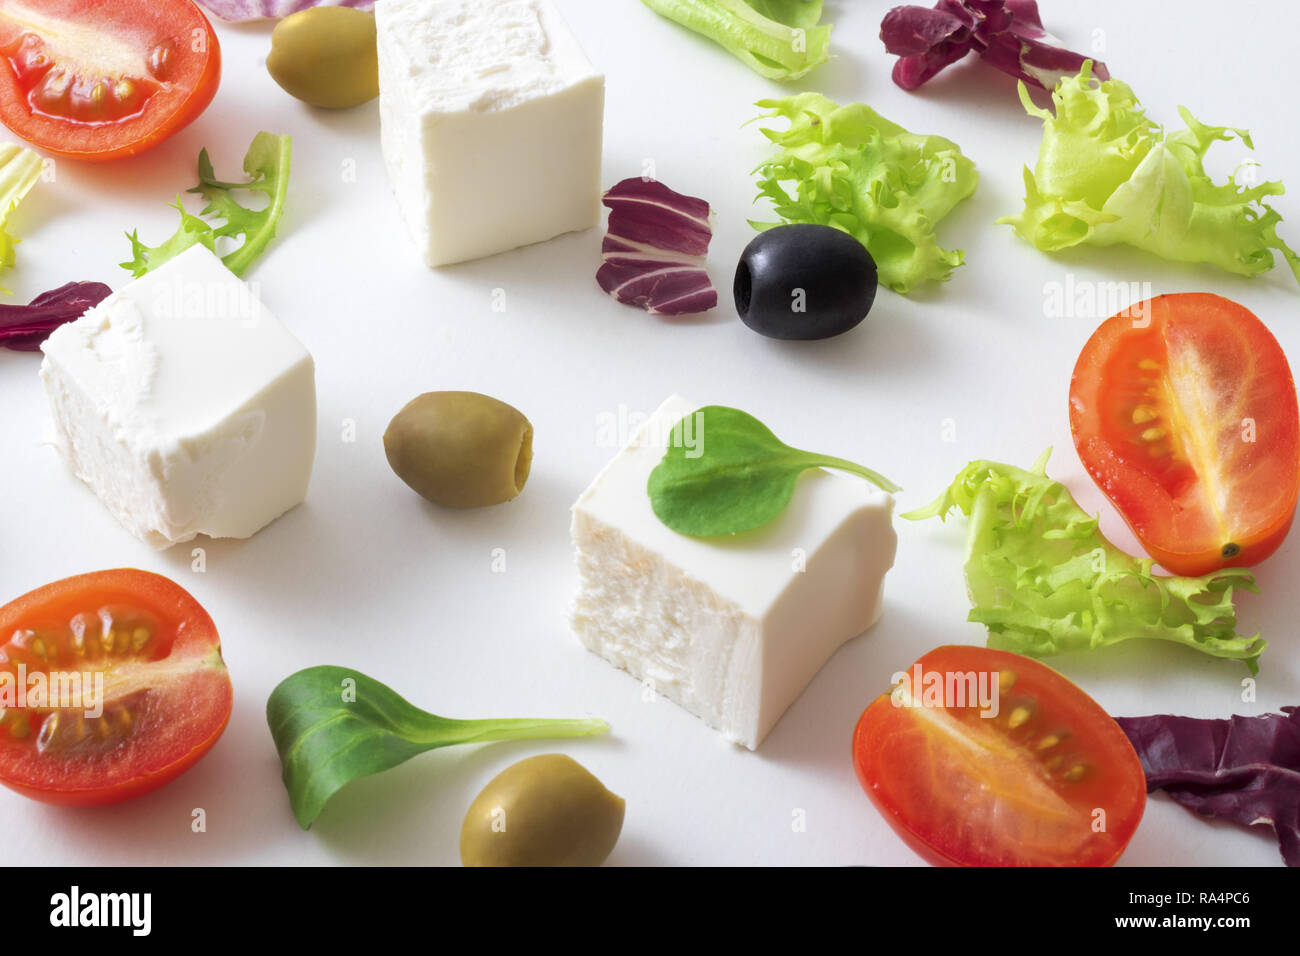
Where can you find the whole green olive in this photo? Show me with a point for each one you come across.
(326, 56)
(460, 449)
(543, 811)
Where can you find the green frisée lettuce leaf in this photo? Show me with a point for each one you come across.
(849, 167)
(1044, 581)
(779, 39)
(20, 167)
(333, 725)
(1107, 174)
(267, 166)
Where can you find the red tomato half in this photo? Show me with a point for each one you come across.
(1183, 410)
(1047, 780)
(102, 79)
(166, 695)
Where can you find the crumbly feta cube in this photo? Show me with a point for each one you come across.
(732, 629)
(490, 119)
(184, 404)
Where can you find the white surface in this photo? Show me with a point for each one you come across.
(185, 404)
(367, 574)
(732, 628)
(490, 120)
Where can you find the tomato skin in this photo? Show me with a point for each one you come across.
(125, 790)
(915, 842)
(185, 92)
(915, 775)
(206, 695)
(1206, 494)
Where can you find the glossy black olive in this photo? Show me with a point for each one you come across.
(804, 282)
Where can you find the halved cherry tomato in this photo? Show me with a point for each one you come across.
(1043, 778)
(165, 695)
(1183, 410)
(102, 79)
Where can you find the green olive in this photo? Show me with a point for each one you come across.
(543, 811)
(460, 449)
(326, 56)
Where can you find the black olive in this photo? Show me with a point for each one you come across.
(804, 282)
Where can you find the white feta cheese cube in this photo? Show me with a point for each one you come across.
(490, 119)
(731, 628)
(184, 404)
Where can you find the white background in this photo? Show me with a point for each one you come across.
(367, 574)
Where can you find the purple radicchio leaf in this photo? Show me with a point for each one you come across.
(24, 327)
(654, 251)
(1243, 769)
(240, 11)
(1008, 34)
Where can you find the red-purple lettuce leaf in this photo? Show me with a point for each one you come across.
(655, 248)
(239, 11)
(24, 327)
(1009, 34)
(1243, 769)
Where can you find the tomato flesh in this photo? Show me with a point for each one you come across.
(1187, 420)
(135, 690)
(102, 79)
(1044, 778)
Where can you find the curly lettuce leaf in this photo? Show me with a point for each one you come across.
(1107, 174)
(779, 39)
(20, 167)
(1044, 581)
(267, 165)
(855, 170)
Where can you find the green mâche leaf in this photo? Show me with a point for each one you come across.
(735, 476)
(332, 725)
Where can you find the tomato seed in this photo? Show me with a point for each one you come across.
(159, 58)
(1019, 716)
(48, 729)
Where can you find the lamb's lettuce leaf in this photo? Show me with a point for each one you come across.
(333, 725)
(1044, 581)
(267, 165)
(851, 168)
(779, 39)
(1107, 174)
(20, 167)
(739, 477)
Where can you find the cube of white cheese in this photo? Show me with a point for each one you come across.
(490, 120)
(184, 404)
(731, 628)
